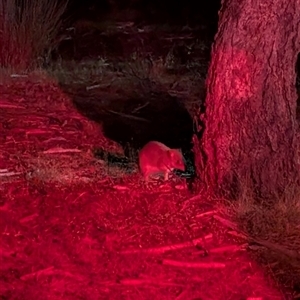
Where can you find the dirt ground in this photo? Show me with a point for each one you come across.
(70, 229)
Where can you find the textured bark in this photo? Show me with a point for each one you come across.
(250, 127)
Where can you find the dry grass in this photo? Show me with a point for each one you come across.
(87, 72)
(28, 30)
(272, 230)
(137, 76)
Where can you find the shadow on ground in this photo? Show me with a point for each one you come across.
(132, 122)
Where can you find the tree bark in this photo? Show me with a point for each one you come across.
(250, 127)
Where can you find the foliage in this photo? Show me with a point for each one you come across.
(27, 31)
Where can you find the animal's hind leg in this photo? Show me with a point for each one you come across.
(166, 176)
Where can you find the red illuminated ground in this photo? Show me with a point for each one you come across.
(72, 229)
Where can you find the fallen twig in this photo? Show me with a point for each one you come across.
(93, 87)
(7, 174)
(238, 234)
(128, 116)
(140, 107)
(207, 213)
(8, 105)
(51, 271)
(199, 265)
(227, 223)
(28, 218)
(173, 247)
(61, 150)
(37, 273)
(18, 75)
(187, 201)
(37, 131)
(147, 281)
(197, 197)
(120, 188)
(231, 248)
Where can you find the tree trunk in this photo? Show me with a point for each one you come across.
(250, 127)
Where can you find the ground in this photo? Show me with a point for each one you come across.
(73, 227)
